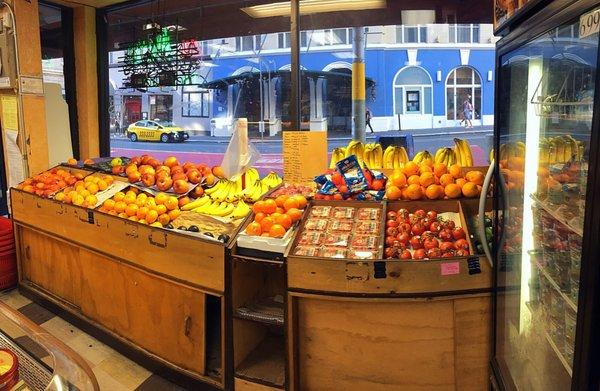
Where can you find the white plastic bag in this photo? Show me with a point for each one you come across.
(240, 154)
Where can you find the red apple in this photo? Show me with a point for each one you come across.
(116, 170)
(146, 169)
(178, 176)
(181, 186)
(188, 166)
(144, 159)
(164, 183)
(153, 162)
(198, 192)
(176, 169)
(171, 161)
(194, 175)
(131, 168)
(136, 160)
(148, 179)
(134, 176)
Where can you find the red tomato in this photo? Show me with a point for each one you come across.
(391, 215)
(433, 253)
(458, 233)
(449, 224)
(432, 214)
(461, 244)
(446, 246)
(417, 229)
(404, 227)
(448, 254)
(462, 253)
(415, 242)
(391, 231)
(389, 241)
(430, 243)
(403, 237)
(427, 235)
(435, 227)
(419, 254)
(420, 213)
(343, 189)
(405, 255)
(446, 235)
(391, 223)
(390, 252)
(403, 214)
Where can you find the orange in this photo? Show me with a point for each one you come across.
(161, 198)
(131, 209)
(173, 214)
(290, 203)
(254, 229)
(475, 176)
(102, 185)
(150, 202)
(92, 188)
(393, 193)
(275, 216)
(295, 214)
(258, 207)
(112, 212)
(277, 231)
(266, 224)
(433, 192)
(171, 203)
(414, 180)
(424, 168)
(455, 170)
(183, 200)
(130, 199)
(427, 179)
(160, 209)
(414, 192)
(516, 163)
(120, 206)
(91, 200)
(259, 216)
(151, 216)
(446, 179)
(270, 206)
(141, 212)
(470, 190)
(109, 205)
(279, 210)
(164, 219)
(281, 199)
(410, 168)
(398, 178)
(78, 200)
(452, 190)
(301, 201)
(284, 220)
(461, 182)
(132, 192)
(439, 169)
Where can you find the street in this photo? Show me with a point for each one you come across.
(210, 150)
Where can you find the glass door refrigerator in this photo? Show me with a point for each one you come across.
(547, 199)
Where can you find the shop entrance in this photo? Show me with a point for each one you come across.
(132, 109)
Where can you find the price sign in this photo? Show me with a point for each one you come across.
(304, 155)
(589, 23)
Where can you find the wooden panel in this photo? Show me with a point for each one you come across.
(346, 345)
(401, 276)
(51, 264)
(164, 318)
(169, 253)
(246, 336)
(473, 342)
(245, 385)
(28, 37)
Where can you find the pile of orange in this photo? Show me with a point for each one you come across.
(274, 217)
(83, 192)
(134, 205)
(432, 181)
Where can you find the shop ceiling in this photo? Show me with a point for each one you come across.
(212, 19)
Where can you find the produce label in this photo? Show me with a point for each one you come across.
(450, 268)
(304, 155)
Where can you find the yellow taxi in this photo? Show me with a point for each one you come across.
(156, 130)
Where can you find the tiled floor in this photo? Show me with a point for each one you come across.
(113, 371)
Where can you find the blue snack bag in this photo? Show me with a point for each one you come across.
(353, 175)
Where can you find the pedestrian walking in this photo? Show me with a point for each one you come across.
(368, 117)
(468, 112)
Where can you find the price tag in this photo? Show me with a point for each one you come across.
(450, 268)
(589, 23)
(304, 155)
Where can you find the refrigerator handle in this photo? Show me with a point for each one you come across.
(481, 216)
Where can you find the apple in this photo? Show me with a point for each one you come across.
(176, 169)
(188, 166)
(164, 183)
(218, 172)
(163, 168)
(152, 162)
(131, 168)
(146, 169)
(136, 160)
(171, 161)
(116, 170)
(148, 179)
(194, 175)
(134, 177)
(179, 175)
(209, 179)
(180, 186)
(198, 192)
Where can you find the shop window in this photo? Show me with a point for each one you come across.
(412, 91)
(283, 40)
(161, 107)
(194, 102)
(463, 82)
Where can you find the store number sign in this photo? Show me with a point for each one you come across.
(589, 23)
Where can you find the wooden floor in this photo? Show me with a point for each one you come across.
(113, 371)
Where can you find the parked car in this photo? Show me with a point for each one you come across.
(156, 130)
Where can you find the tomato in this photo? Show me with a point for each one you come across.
(427, 235)
(391, 223)
(446, 246)
(405, 255)
(462, 253)
(391, 231)
(417, 229)
(420, 213)
(389, 241)
(435, 227)
(458, 233)
(426, 222)
(419, 254)
(337, 179)
(391, 215)
(415, 242)
(461, 244)
(433, 253)
(449, 224)
(448, 254)
(432, 214)
(430, 243)
(404, 227)
(390, 252)
(403, 237)
(446, 235)
(403, 214)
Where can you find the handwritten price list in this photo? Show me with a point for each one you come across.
(304, 155)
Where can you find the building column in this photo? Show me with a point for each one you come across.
(358, 84)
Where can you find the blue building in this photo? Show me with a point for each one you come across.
(417, 78)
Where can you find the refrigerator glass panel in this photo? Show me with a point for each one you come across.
(544, 121)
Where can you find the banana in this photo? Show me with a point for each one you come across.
(224, 211)
(196, 203)
(403, 156)
(421, 156)
(464, 154)
(207, 207)
(388, 156)
(438, 157)
(378, 155)
(241, 210)
(215, 187)
(356, 148)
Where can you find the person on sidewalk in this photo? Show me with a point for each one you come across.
(468, 112)
(368, 116)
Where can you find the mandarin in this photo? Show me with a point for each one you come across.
(393, 193)
(470, 190)
(461, 182)
(266, 224)
(446, 180)
(276, 231)
(258, 207)
(301, 201)
(424, 168)
(410, 168)
(290, 203)
(413, 180)
(295, 214)
(452, 190)
(259, 216)
(440, 169)
(397, 178)
(414, 192)
(151, 216)
(427, 179)
(455, 170)
(433, 192)
(254, 229)
(270, 206)
(476, 177)
(284, 220)
(280, 200)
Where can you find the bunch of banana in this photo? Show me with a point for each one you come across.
(445, 155)
(373, 155)
(421, 156)
(222, 189)
(254, 191)
(235, 192)
(394, 157)
(197, 203)
(560, 149)
(216, 208)
(356, 148)
(512, 149)
(272, 180)
(241, 210)
(252, 175)
(463, 153)
(336, 155)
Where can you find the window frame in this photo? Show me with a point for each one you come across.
(454, 86)
(405, 88)
(204, 103)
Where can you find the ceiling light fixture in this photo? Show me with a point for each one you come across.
(312, 7)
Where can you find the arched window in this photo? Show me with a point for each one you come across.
(462, 82)
(412, 91)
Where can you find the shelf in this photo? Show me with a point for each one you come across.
(268, 261)
(266, 363)
(268, 311)
(559, 354)
(552, 211)
(549, 278)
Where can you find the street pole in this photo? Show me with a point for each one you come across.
(358, 85)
